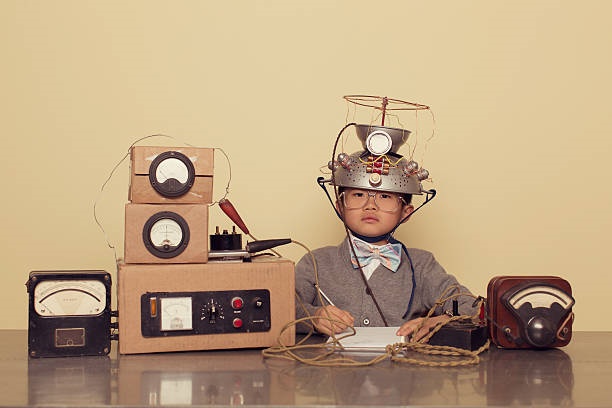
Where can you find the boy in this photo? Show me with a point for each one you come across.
(371, 279)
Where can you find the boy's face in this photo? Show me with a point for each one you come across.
(372, 213)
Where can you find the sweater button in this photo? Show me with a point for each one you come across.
(366, 321)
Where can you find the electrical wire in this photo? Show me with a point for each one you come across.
(329, 354)
(114, 169)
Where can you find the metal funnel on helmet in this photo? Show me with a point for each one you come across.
(375, 137)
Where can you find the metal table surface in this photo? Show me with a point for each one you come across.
(579, 374)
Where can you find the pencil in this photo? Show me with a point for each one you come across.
(324, 295)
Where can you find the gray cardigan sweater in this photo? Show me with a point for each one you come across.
(344, 286)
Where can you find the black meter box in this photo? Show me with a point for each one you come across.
(217, 305)
(69, 313)
(179, 175)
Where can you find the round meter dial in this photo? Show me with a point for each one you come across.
(69, 297)
(171, 174)
(379, 142)
(166, 234)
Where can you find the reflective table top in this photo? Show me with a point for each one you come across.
(576, 375)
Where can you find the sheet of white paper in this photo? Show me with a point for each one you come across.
(369, 338)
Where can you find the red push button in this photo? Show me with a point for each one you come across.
(237, 323)
(237, 303)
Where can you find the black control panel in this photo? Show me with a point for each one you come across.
(213, 312)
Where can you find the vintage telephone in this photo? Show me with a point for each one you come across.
(530, 311)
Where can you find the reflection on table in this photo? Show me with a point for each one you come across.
(243, 377)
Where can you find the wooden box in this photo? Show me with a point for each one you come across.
(530, 311)
(142, 191)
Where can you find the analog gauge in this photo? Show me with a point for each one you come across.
(69, 313)
(166, 234)
(69, 297)
(379, 142)
(176, 313)
(172, 169)
(171, 174)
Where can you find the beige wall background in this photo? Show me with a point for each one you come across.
(520, 158)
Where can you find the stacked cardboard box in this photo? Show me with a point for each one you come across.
(166, 251)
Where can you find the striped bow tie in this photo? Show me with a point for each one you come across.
(389, 255)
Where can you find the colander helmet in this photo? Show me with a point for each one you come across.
(379, 166)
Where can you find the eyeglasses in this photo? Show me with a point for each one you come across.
(387, 202)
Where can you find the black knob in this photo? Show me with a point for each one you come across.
(540, 332)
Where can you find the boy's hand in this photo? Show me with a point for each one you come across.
(326, 326)
(410, 326)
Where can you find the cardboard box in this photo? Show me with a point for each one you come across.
(141, 191)
(138, 215)
(134, 281)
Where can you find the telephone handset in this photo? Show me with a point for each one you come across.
(530, 312)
